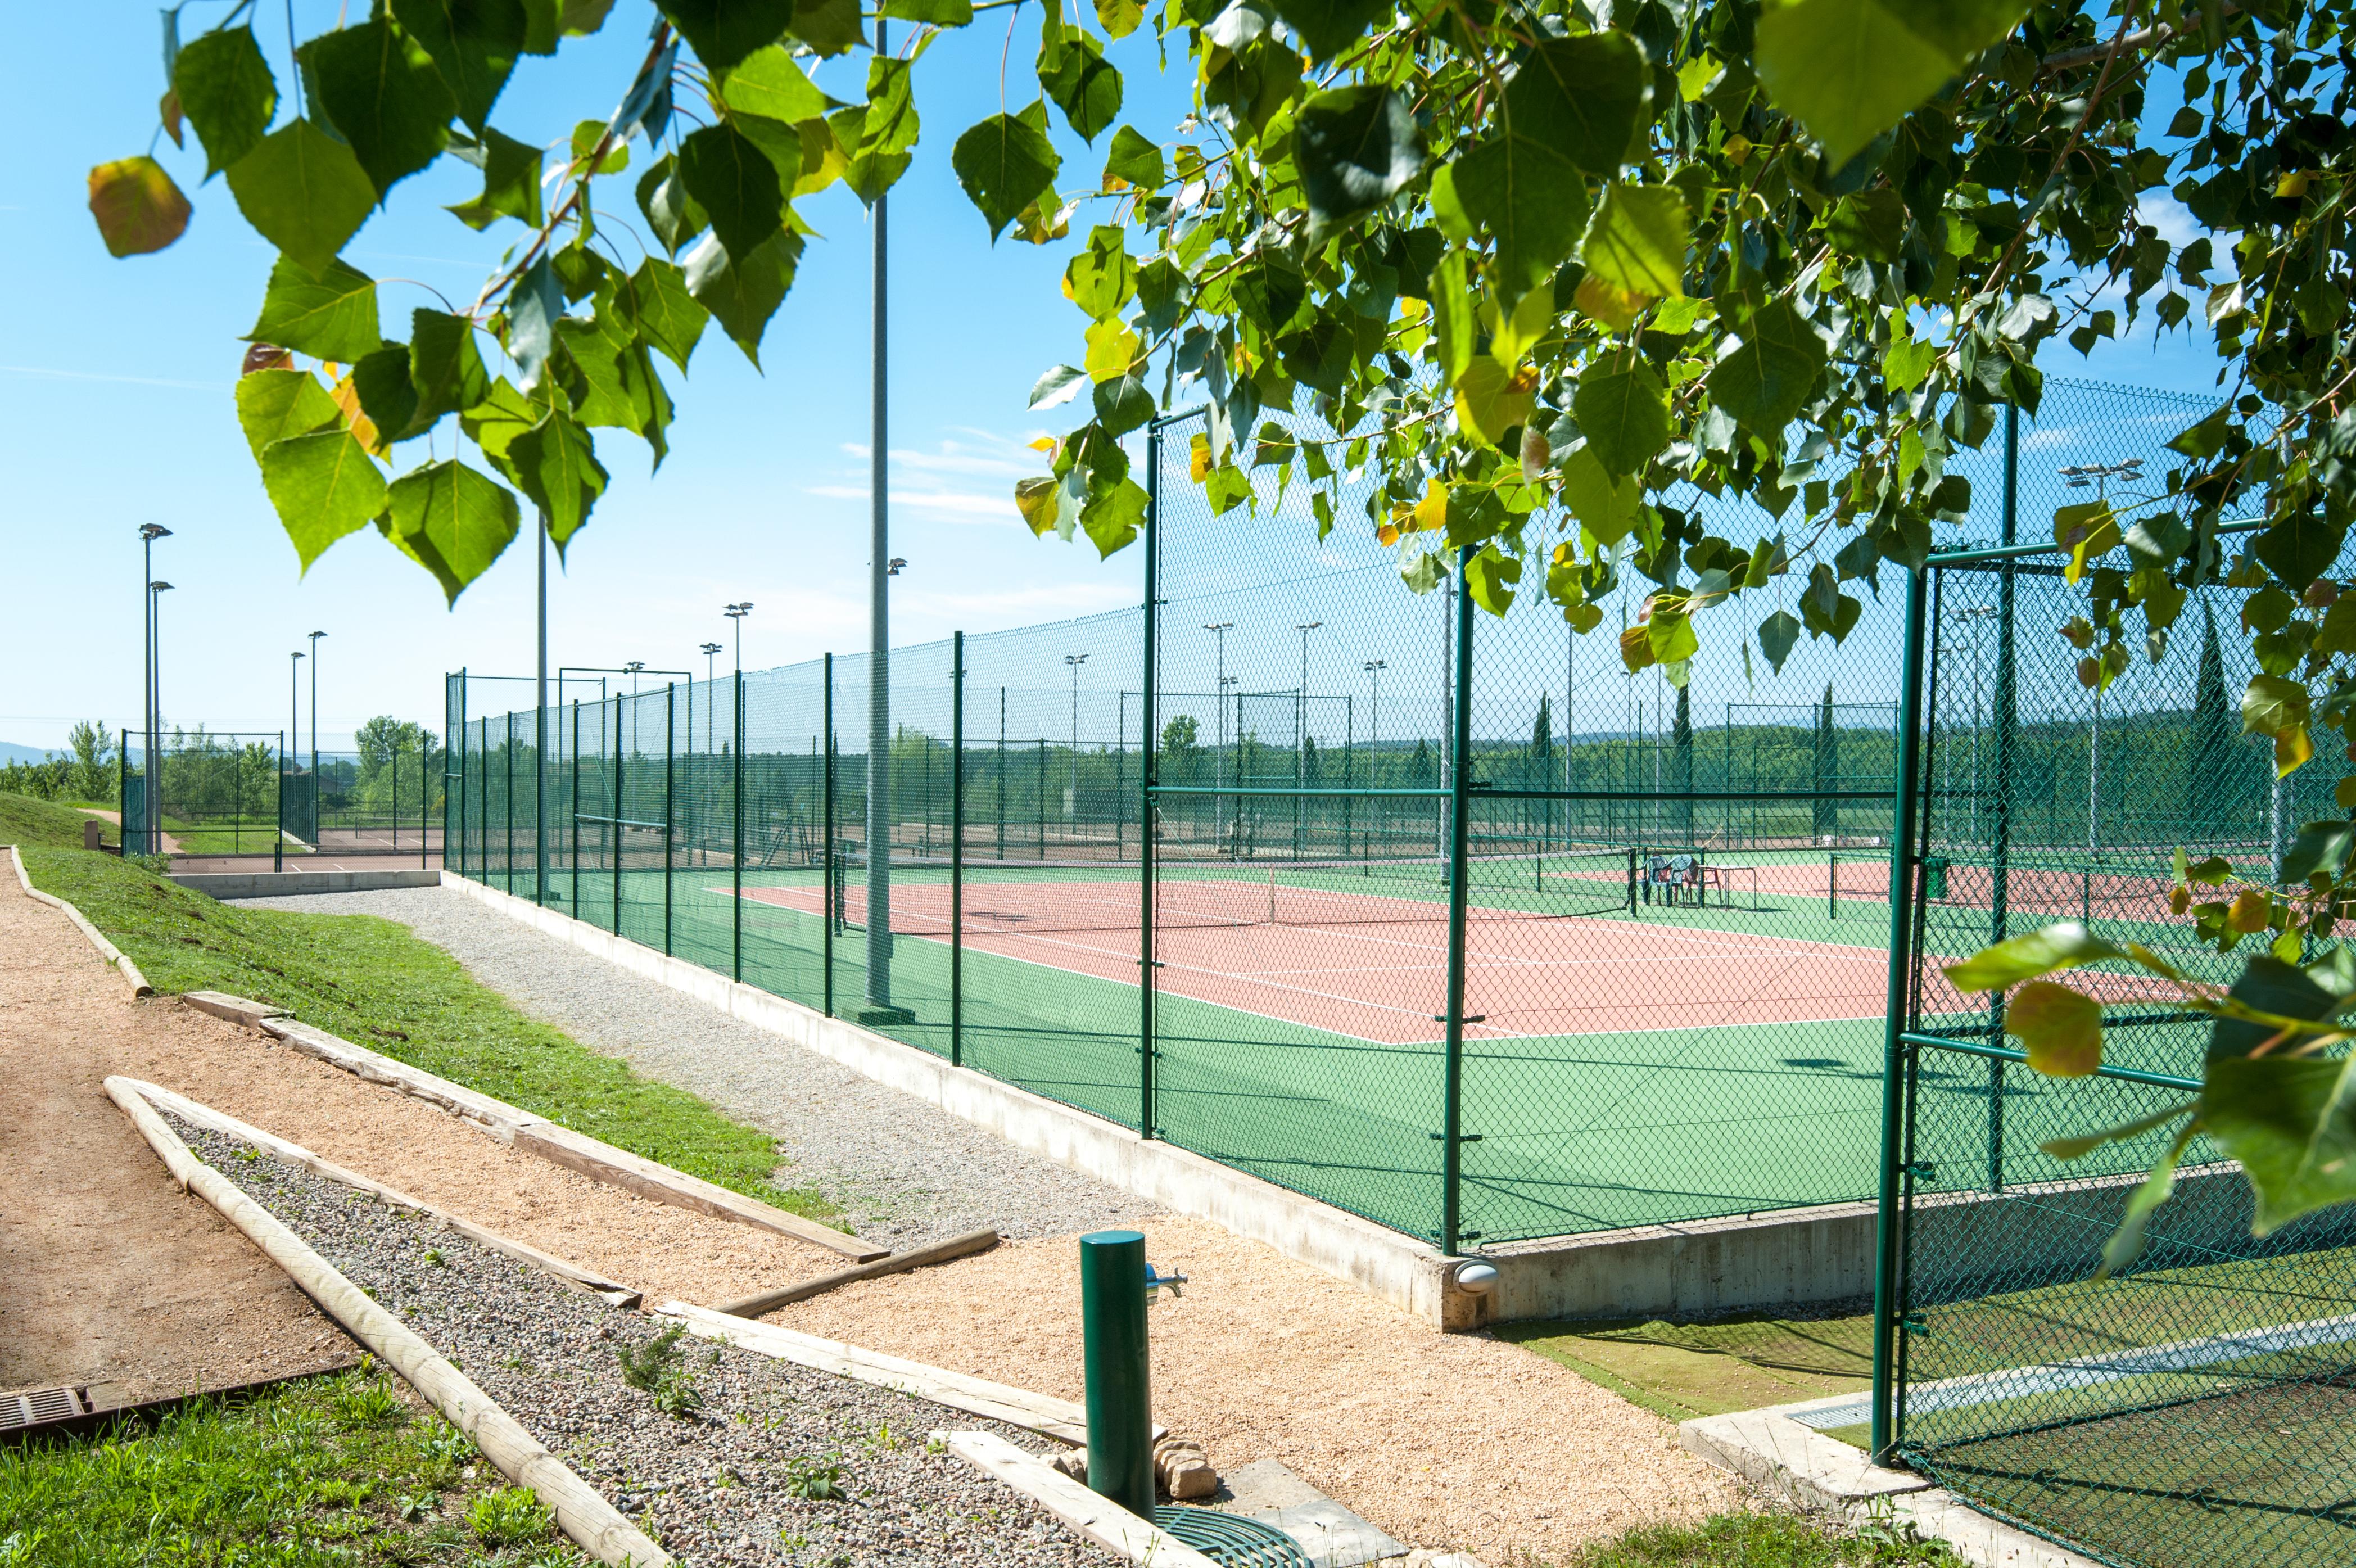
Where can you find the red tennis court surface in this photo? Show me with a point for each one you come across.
(2030, 889)
(1372, 966)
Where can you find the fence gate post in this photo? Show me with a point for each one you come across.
(736, 859)
(1147, 775)
(1888, 1222)
(957, 849)
(278, 811)
(572, 807)
(2007, 702)
(614, 828)
(1460, 829)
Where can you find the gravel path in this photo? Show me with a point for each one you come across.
(718, 1487)
(902, 1171)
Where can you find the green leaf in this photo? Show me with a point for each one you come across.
(502, 416)
(829, 26)
(770, 84)
(1118, 17)
(939, 13)
(1778, 634)
(1869, 223)
(1637, 241)
(2079, 1147)
(1135, 161)
(1491, 400)
(444, 365)
(1355, 148)
(2088, 529)
(1113, 518)
(510, 180)
(1490, 577)
(331, 316)
(1082, 83)
(2320, 847)
(662, 312)
(1329, 26)
(2059, 946)
(735, 182)
(304, 191)
(138, 209)
(2289, 1122)
(380, 90)
(1122, 404)
(534, 308)
(887, 130)
(671, 212)
(1101, 278)
(452, 520)
(555, 464)
(1060, 384)
(2125, 1244)
(2267, 984)
(1529, 199)
(1766, 383)
(1584, 98)
(722, 32)
(274, 404)
(1624, 411)
(742, 296)
(1607, 508)
(2060, 1029)
(387, 395)
(1849, 69)
(1005, 163)
(2206, 438)
(322, 486)
(2273, 704)
(473, 43)
(2300, 548)
(1453, 298)
(227, 92)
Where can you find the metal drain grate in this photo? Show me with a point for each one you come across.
(1231, 1538)
(38, 1407)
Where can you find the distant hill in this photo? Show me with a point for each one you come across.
(11, 752)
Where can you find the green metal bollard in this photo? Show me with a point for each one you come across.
(1120, 1393)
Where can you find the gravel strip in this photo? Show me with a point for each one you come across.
(904, 1171)
(717, 1487)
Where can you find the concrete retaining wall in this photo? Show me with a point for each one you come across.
(287, 884)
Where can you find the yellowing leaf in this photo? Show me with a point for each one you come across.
(1044, 444)
(1112, 349)
(1432, 511)
(138, 207)
(1198, 458)
(1491, 400)
(2087, 531)
(363, 429)
(2062, 1029)
(1615, 307)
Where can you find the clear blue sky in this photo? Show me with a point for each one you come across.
(116, 410)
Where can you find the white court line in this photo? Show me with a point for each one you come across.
(2090, 1371)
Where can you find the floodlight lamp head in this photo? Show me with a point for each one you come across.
(708, 648)
(2070, 472)
(154, 530)
(159, 586)
(317, 634)
(892, 570)
(2081, 484)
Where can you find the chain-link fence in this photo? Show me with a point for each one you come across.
(221, 795)
(2194, 1409)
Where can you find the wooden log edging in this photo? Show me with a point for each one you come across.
(114, 955)
(963, 1246)
(580, 1511)
(561, 1146)
(1099, 1518)
(564, 1269)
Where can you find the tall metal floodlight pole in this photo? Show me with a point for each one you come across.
(314, 719)
(1300, 697)
(1074, 661)
(155, 592)
(293, 724)
(878, 656)
(709, 651)
(149, 532)
(737, 614)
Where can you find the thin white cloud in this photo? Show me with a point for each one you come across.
(956, 505)
(105, 376)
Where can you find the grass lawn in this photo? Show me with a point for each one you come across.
(1680, 1370)
(335, 1470)
(376, 985)
(1765, 1541)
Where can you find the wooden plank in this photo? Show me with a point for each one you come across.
(618, 1168)
(963, 1246)
(580, 1511)
(497, 1116)
(106, 949)
(293, 1154)
(561, 1145)
(1099, 1518)
(1048, 1416)
(236, 1009)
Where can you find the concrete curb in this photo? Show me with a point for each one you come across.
(1802, 1466)
(231, 885)
(106, 949)
(1400, 1270)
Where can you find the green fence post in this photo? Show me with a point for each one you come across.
(957, 849)
(826, 840)
(671, 749)
(278, 811)
(572, 809)
(425, 799)
(736, 857)
(1888, 1220)
(1148, 773)
(2007, 719)
(1002, 773)
(614, 828)
(1118, 1368)
(506, 763)
(1460, 828)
